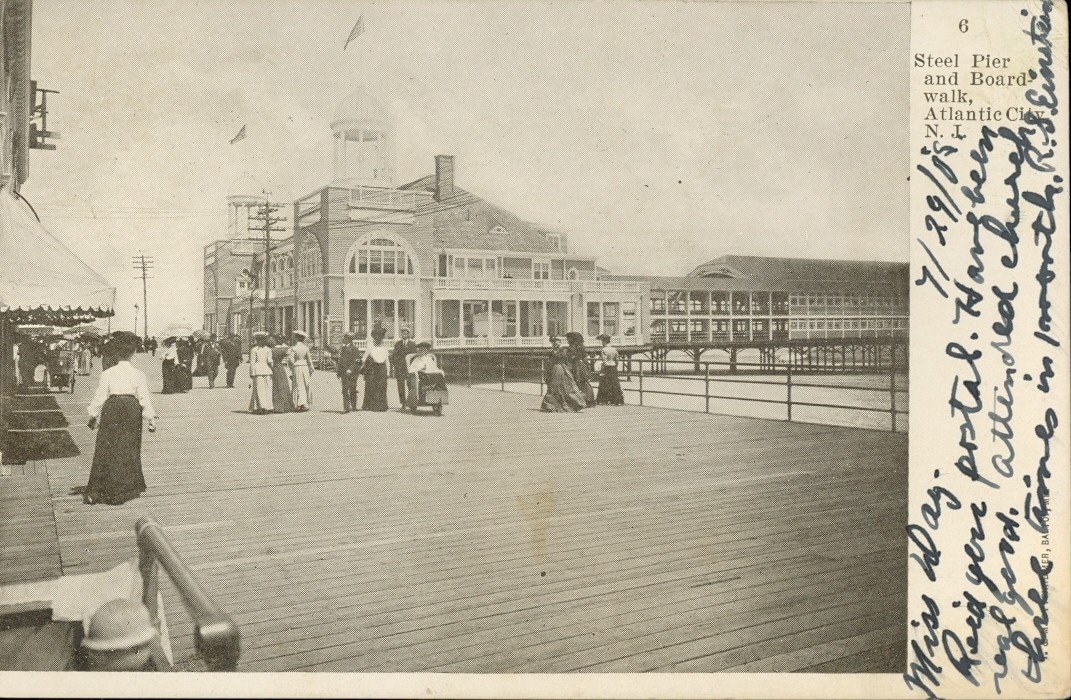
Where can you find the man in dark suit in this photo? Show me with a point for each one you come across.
(402, 348)
(231, 349)
(348, 369)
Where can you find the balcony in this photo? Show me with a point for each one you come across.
(618, 287)
(523, 342)
(525, 285)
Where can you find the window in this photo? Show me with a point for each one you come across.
(628, 318)
(658, 303)
(719, 303)
(593, 318)
(741, 303)
(697, 302)
(678, 303)
(609, 317)
(310, 264)
(555, 240)
(540, 270)
(381, 256)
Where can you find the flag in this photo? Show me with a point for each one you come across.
(239, 136)
(358, 29)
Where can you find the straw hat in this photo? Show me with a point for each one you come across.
(301, 334)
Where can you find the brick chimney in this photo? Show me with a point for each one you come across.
(444, 177)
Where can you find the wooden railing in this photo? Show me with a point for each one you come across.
(216, 637)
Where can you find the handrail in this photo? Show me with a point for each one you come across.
(216, 637)
(503, 369)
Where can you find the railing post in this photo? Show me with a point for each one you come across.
(706, 385)
(641, 382)
(470, 370)
(788, 388)
(503, 373)
(150, 581)
(892, 386)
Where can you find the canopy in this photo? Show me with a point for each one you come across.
(41, 280)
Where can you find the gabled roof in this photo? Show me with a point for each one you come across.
(804, 270)
(519, 236)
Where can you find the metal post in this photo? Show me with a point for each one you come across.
(641, 382)
(150, 582)
(892, 385)
(788, 388)
(706, 385)
(470, 370)
(503, 373)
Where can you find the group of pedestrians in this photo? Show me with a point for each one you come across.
(568, 376)
(281, 374)
(412, 363)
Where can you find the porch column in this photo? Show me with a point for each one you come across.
(490, 322)
(543, 311)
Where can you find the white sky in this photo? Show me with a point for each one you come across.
(659, 134)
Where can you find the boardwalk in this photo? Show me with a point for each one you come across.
(500, 539)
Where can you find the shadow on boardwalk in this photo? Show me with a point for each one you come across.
(499, 539)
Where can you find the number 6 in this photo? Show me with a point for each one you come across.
(963, 26)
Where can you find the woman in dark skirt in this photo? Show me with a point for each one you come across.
(609, 385)
(118, 407)
(282, 391)
(579, 366)
(374, 369)
(562, 395)
(168, 366)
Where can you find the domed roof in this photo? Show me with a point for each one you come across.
(359, 106)
(245, 187)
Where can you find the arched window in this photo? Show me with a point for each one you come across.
(311, 262)
(381, 255)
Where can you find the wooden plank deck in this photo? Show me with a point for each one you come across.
(501, 539)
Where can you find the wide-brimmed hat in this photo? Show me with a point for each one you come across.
(122, 343)
(574, 338)
(379, 333)
(348, 336)
(261, 334)
(604, 337)
(301, 334)
(424, 344)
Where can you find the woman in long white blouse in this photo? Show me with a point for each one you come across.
(121, 401)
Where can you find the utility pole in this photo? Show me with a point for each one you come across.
(144, 264)
(265, 215)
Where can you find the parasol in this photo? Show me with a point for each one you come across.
(200, 335)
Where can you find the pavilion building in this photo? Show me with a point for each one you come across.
(426, 255)
(750, 299)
